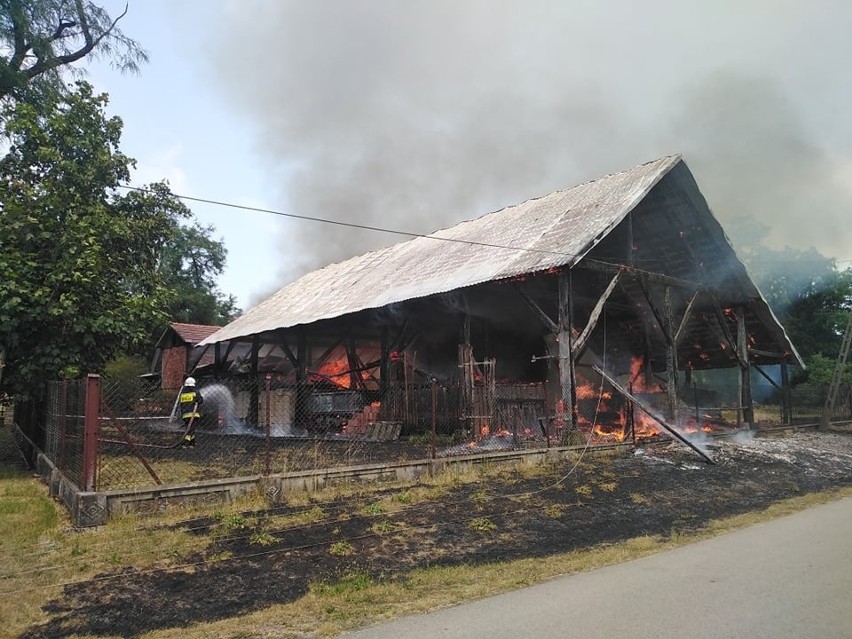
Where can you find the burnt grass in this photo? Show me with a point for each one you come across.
(504, 516)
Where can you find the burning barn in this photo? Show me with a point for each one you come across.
(595, 310)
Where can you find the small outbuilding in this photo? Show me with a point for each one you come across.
(175, 353)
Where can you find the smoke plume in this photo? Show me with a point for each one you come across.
(415, 115)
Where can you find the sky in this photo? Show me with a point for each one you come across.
(415, 115)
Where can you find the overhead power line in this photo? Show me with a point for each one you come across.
(365, 227)
(382, 229)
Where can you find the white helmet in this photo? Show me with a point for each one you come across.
(190, 382)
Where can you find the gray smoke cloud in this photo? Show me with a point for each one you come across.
(415, 115)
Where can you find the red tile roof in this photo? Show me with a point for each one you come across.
(193, 333)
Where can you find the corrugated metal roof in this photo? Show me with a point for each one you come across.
(554, 230)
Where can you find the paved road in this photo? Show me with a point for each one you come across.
(788, 578)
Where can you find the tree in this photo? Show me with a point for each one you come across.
(817, 320)
(43, 38)
(782, 275)
(79, 263)
(190, 263)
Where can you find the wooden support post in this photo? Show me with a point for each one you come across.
(631, 250)
(786, 396)
(567, 379)
(384, 363)
(217, 359)
(355, 380)
(671, 354)
(745, 369)
(89, 479)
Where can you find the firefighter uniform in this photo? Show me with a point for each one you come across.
(190, 401)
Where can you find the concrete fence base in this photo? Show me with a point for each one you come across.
(95, 508)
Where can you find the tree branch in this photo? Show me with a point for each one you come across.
(21, 46)
(43, 65)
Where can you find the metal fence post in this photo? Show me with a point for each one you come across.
(90, 436)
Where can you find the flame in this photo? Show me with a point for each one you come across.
(335, 371)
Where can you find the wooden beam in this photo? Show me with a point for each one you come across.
(657, 278)
(580, 343)
(723, 324)
(544, 317)
(685, 319)
(756, 351)
(659, 315)
(649, 411)
(765, 376)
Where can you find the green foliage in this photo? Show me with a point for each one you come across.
(79, 278)
(125, 368)
(231, 521)
(190, 263)
(818, 318)
(785, 275)
(808, 294)
(262, 538)
(820, 371)
(87, 272)
(349, 583)
(341, 548)
(42, 38)
(481, 524)
(381, 527)
(374, 509)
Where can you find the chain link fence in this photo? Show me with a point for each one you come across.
(254, 425)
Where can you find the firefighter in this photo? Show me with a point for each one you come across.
(190, 401)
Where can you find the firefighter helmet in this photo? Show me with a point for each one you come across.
(190, 382)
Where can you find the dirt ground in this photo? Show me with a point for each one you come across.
(510, 515)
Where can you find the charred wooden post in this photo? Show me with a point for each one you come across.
(217, 360)
(384, 365)
(630, 248)
(567, 373)
(355, 380)
(745, 370)
(671, 353)
(786, 398)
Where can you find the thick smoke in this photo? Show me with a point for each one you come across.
(414, 115)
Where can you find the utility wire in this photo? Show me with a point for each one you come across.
(365, 227)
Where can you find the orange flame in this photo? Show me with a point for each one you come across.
(335, 371)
